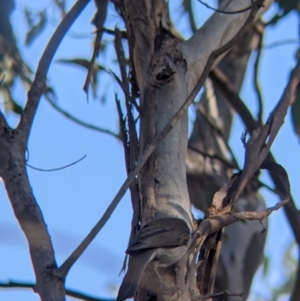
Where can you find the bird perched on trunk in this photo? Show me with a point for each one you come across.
(162, 242)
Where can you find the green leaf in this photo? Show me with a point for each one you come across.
(284, 8)
(80, 62)
(37, 28)
(86, 64)
(288, 5)
(266, 265)
(16, 108)
(9, 103)
(96, 68)
(29, 17)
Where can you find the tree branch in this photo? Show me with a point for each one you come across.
(57, 168)
(69, 292)
(215, 223)
(221, 294)
(233, 98)
(225, 12)
(81, 122)
(218, 30)
(255, 77)
(39, 83)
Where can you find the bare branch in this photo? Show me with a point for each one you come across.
(216, 295)
(209, 120)
(223, 84)
(131, 147)
(58, 168)
(255, 78)
(290, 208)
(219, 215)
(215, 223)
(81, 122)
(225, 12)
(215, 261)
(232, 165)
(69, 292)
(281, 43)
(232, 97)
(39, 84)
(113, 32)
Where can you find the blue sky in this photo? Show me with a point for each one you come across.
(74, 199)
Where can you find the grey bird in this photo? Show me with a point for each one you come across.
(163, 241)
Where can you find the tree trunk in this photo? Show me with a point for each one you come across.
(165, 71)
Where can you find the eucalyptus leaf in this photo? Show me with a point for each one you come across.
(36, 29)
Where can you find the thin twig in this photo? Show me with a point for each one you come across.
(113, 32)
(81, 122)
(215, 223)
(214, 157)
(216, 295)
(280, 43)
(256, 81)
(58, 168)
(225, 12)
(68, 263)
(258, 146)
(215, 262)
(69, 292)
(209, 120)
(132, 146)
(39, 83)
(98, 21)
(226, 88)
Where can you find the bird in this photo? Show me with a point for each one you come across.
(162, 241)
